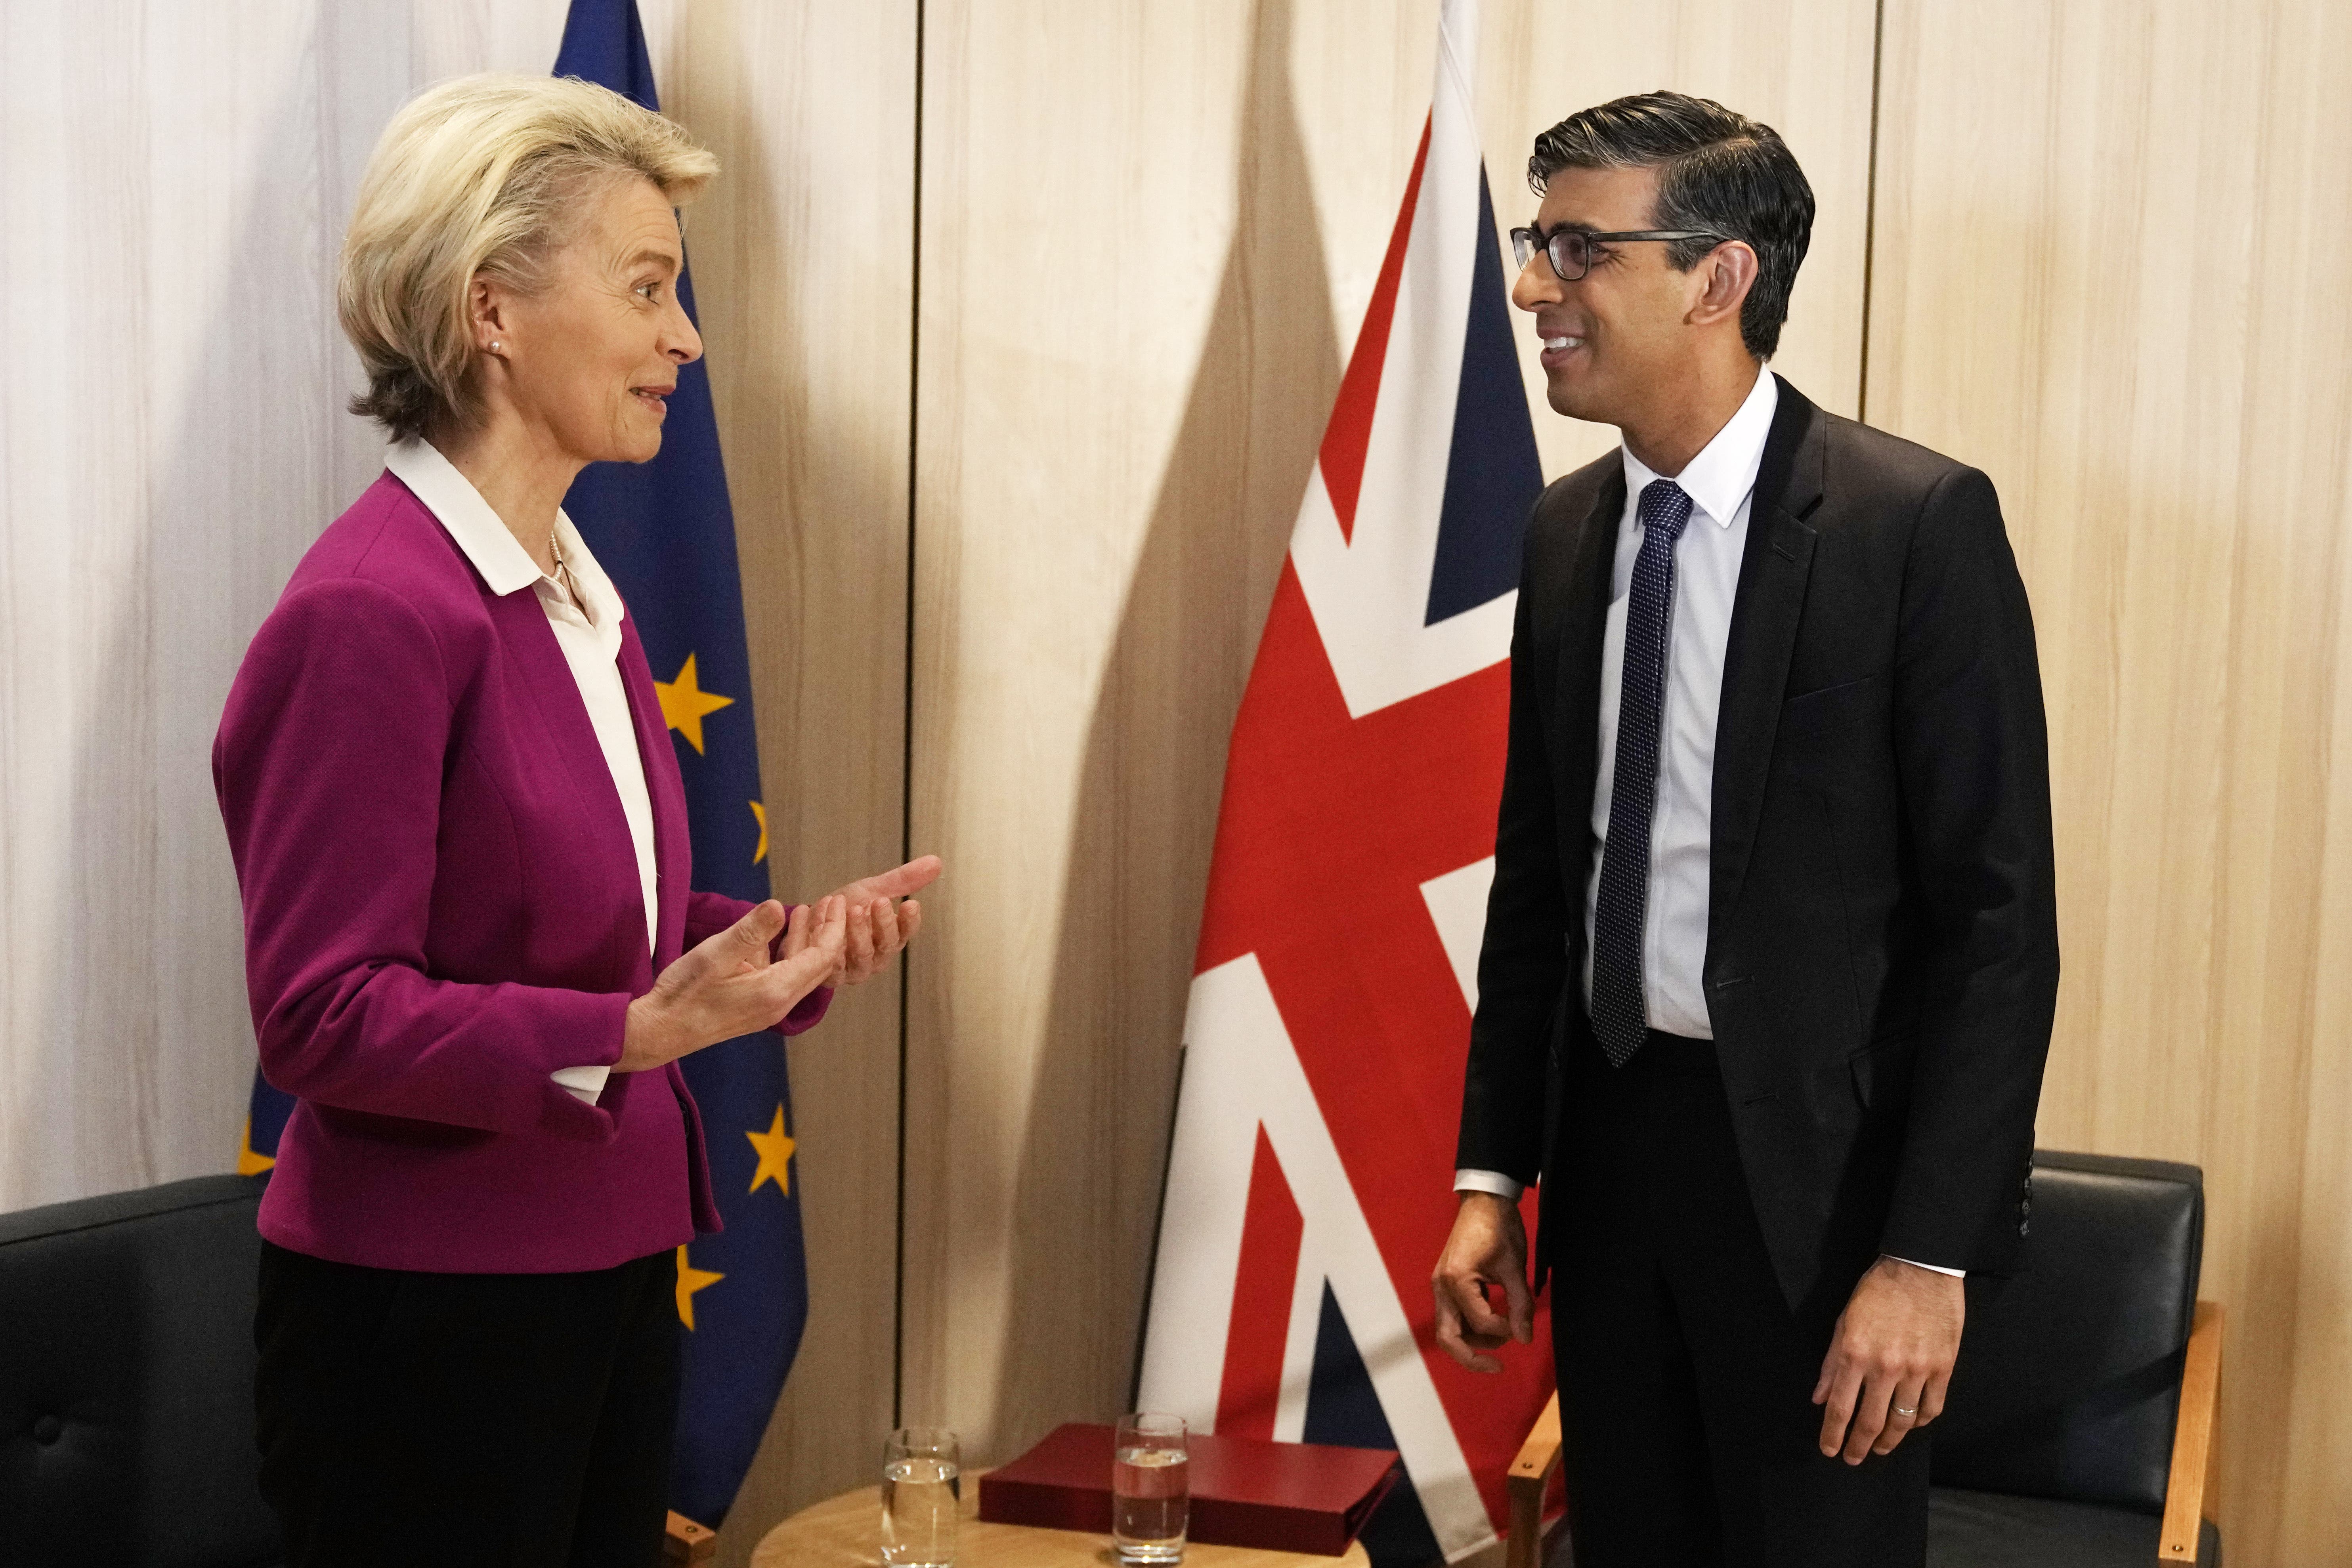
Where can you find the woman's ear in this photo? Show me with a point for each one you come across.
(485, 313)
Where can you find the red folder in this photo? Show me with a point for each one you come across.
(1279, 1497)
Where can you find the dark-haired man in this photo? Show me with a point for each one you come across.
(1772, 954)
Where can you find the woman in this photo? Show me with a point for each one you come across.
(460, 837)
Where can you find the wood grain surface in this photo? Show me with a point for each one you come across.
(843, 1533)
(803, 270)
(1129, 348)
(2106, 273)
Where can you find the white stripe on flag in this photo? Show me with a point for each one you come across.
(1369, 597)
(1369, 591)
(1241, 1071)
(1457, 903)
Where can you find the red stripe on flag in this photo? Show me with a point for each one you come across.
(1328, 829)
(1324, 814)
(1350, 429)
(1262, 1285)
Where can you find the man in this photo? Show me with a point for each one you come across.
(1772, 954)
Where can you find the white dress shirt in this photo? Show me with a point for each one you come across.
(588, 630)
(1721, 483)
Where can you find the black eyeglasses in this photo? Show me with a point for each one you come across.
(1571, 250)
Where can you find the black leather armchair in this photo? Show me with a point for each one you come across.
(2079, 1430)
(126, 1384)
(126, 1380)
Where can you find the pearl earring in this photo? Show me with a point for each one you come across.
(496, 345)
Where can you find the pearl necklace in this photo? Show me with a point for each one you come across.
(562, 572)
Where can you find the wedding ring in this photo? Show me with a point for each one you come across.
(1900, 1411)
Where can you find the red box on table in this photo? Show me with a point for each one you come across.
(1311, 1498)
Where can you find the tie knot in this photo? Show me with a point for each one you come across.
(1665, 508)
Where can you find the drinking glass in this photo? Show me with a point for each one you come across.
(920, 1488)
(1150, 1488)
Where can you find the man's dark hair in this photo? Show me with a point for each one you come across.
(1717, 170)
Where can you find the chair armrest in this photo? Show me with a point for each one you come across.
(1529, 1479)
(686, 1541)
(2188, 1492)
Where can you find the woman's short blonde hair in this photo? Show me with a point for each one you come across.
(483, 175)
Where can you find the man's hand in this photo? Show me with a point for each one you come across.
(879, 925)
(726, 986)
(1893, 1351)
(1488, 1246)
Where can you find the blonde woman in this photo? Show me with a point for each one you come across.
(460, 837)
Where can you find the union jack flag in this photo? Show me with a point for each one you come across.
(1309, 1181)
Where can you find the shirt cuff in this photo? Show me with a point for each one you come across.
(1494, 1182)
(583, 1084)
(1931, 1268)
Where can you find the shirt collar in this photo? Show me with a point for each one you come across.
(1720, 478)
(487, 542)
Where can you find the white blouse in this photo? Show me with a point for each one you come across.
(588, 630)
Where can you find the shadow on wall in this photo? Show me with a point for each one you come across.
(1153, 767)
(807, 461)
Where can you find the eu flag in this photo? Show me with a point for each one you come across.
(665, 533)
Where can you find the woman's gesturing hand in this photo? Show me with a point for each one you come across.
(726, 986)
(878, 924)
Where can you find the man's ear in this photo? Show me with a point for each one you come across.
(1724, 276)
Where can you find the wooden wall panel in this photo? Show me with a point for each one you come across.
(2108, 235)
(1127, 348)
(803, 266)
(1148, 235)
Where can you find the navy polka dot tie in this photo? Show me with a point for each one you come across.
(1619, 1018)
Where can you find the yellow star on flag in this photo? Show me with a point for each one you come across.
(760, 813)
(690, 1281)
(684, 702)
(775, 1149)
(249, 1163)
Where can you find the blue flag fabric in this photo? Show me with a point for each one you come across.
(665, 533)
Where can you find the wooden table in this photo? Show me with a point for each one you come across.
(844, 1531)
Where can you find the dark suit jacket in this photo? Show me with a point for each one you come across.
(1882, 959)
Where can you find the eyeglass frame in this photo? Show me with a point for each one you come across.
(1537, 239)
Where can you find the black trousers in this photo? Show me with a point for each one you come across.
(1686, 1380)
(449, 1420)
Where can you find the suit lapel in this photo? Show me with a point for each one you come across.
(1766, 613)
(1583, 630)
(672, 864)
(555, 692)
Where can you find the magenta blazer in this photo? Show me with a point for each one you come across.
(442, 907)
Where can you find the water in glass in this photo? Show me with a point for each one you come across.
(919, 1511)
(1151, 1499)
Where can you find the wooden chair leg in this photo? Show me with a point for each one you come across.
(1530, 1480)
(2189, 1492)
(687, 1542)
